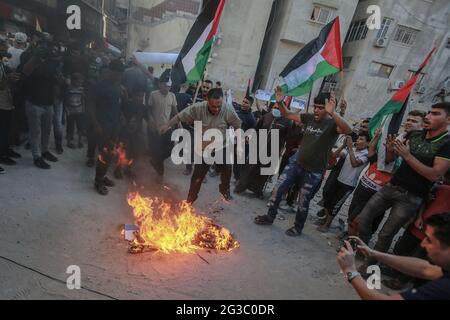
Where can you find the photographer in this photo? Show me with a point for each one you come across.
(437, 245)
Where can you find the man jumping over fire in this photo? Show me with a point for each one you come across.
(213, 114)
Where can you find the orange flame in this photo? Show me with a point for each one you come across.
(170, 229)
(120, 153)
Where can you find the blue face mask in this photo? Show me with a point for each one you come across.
(276, 113)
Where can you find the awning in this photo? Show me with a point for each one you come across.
(154, 58)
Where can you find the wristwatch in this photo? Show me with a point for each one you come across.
(352, 275)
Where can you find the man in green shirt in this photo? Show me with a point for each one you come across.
(321, 131)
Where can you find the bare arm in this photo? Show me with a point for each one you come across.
(279, 96)
(355, 162)
(374, 143)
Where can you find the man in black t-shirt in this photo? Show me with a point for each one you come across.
(104, 109)
(321, 130)
(437, 246)
(425, 159)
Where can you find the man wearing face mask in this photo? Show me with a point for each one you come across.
(321, 131)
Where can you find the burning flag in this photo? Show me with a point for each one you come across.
(175, 228)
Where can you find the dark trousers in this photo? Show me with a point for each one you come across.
(5, 130)
(160, 149)
(405, 206)
(75, 120)
(106, 145)
(335, 197)
(200, 171)
(361, 196)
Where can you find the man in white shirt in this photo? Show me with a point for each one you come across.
(356, 159)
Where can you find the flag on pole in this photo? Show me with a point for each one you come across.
(390, 117)
(247, 93)
(194, 55)
(319, 58)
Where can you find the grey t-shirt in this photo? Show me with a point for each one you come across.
(226, 118)
(317, 144)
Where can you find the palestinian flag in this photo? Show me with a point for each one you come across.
(390, 117)
(194, 55)
(319, 58)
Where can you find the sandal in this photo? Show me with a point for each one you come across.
(101, 189)
(108, 183)
(264, 220)
(293, 232)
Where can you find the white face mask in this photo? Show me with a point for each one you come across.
(276, 113)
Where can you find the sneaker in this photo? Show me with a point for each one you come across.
(90, 163)
(41, 164)
(12, 154)
(49, 157)
(7, 161)
(2, 171)
(59, 150)
(227, 196)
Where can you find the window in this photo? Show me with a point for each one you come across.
(322, 14)
(357, 31)
(405, 35)
(382, 33)
(380, 70)
(347, 62)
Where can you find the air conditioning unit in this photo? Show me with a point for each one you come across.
(421, 90)
(397, 85)
(381, 42)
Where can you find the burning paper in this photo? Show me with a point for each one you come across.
(175, 228)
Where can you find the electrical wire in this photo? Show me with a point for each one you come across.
(54, 278)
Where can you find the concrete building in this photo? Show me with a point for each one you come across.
(160, 25)
(379, 62)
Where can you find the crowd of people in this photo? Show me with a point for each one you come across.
(109, 102)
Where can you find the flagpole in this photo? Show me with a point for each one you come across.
(205, 73)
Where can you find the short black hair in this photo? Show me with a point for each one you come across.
(250, 99)
(322, 98)
(417, 113)
(365, 135)
(441, 225)
(215, 93)
(208, 81)
(442, 105)
(218, 83)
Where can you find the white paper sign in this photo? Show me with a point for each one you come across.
(298, 104)
(263, 95)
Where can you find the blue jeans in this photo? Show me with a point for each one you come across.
(40, 127)
(308, 181)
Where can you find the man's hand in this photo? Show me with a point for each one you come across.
(349, 142)
(346, 258)
(402, 149)
(378, 133)
(330, 105)
(419, 223)
(279, 95)
(364, 248)
(343, 107)
(390, 142)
